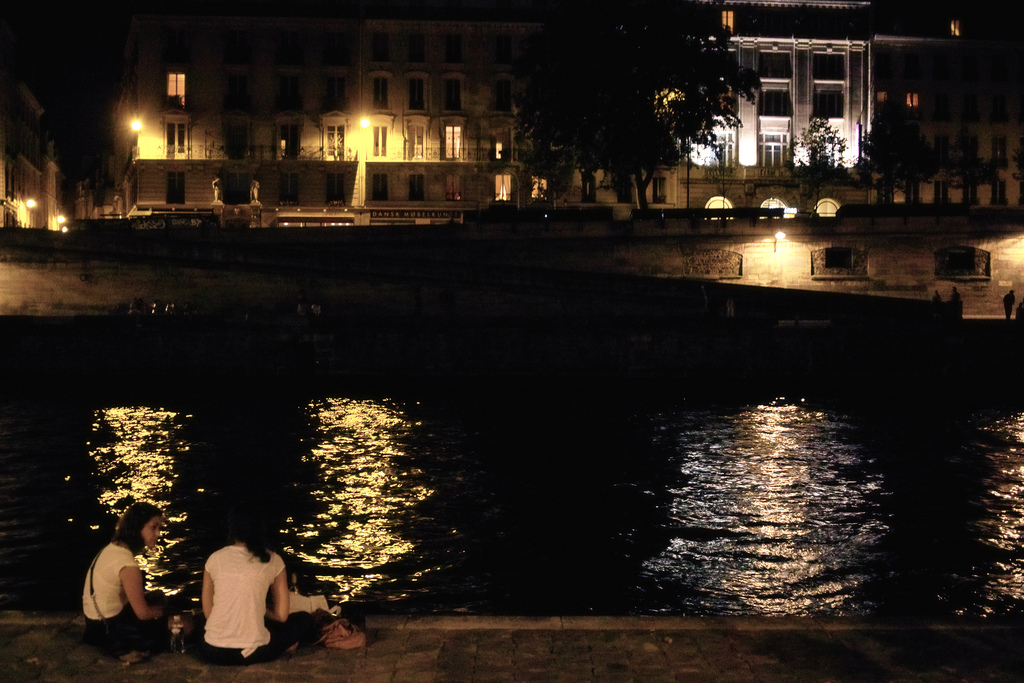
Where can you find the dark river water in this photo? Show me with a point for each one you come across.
(532, 499)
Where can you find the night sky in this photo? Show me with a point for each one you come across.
(71, 56)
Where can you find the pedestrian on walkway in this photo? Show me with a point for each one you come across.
(1008, 302)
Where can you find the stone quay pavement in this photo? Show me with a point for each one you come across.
(46, 647)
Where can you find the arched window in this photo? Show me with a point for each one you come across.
(827, 208)
(718, 202)
(773, 203)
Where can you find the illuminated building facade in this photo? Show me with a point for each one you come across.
(30, 181)
(968, 97)
(351, 118)
(403, 112)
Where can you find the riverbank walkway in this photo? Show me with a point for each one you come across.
(476, 649)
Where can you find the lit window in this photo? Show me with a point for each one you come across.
(416, 137)
(175, 89)
(913, 102)
(176, 142)
(881, 97)
(502, 187)
(954, 28)
(334, 144)
(718, 202)
(380, 141)
(727, 20)
(540, 189)
(453, 188)
(453, 142)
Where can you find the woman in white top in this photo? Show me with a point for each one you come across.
(119, 616)
(240, 627)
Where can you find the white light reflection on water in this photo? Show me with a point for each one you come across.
(773, 513)
(366, 493)
(134, 448)
(1002, 527)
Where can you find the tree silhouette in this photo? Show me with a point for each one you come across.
(629, 88)
(817, 159)
(896, 155)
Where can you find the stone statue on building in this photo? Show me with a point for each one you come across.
(217, 194)
(254, 191)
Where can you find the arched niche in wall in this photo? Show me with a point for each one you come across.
(712, 264)
(826, 208)
(839, 263)
(962, 262)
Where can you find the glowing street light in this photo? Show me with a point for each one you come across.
(779, 236)
(136, 125)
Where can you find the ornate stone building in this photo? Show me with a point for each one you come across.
(349, 117)
(354, 112)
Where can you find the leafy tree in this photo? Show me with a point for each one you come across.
(896, 155)
(966, 170)
(631, 87)
(818, 157)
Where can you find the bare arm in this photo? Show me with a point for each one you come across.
(207, 594)
(279, 600)
(131, 581)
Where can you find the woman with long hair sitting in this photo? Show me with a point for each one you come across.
(120, 617)
(241, 628)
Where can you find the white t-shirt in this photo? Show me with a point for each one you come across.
(106, 583)
(240, 585)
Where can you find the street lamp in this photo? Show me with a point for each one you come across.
(779, 236)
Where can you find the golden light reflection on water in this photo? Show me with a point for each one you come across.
(366, 496)
(761, 514)
(134, 449)
(1003, 527)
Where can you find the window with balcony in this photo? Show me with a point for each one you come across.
(175, 90)
(175, 187)
(236, 139)
(380, 92)
(380, 142)
(416, 99)
(453, 48)
(417, 140)
(334, 142)
(913, 103)
(501, 140)
(379, 191)
(452, 94)
(288, 140)
(177, 144)
(941, 148)
(416, 193)
(453, 142)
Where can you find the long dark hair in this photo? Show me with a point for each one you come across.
(128, 531)
(247, 524)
